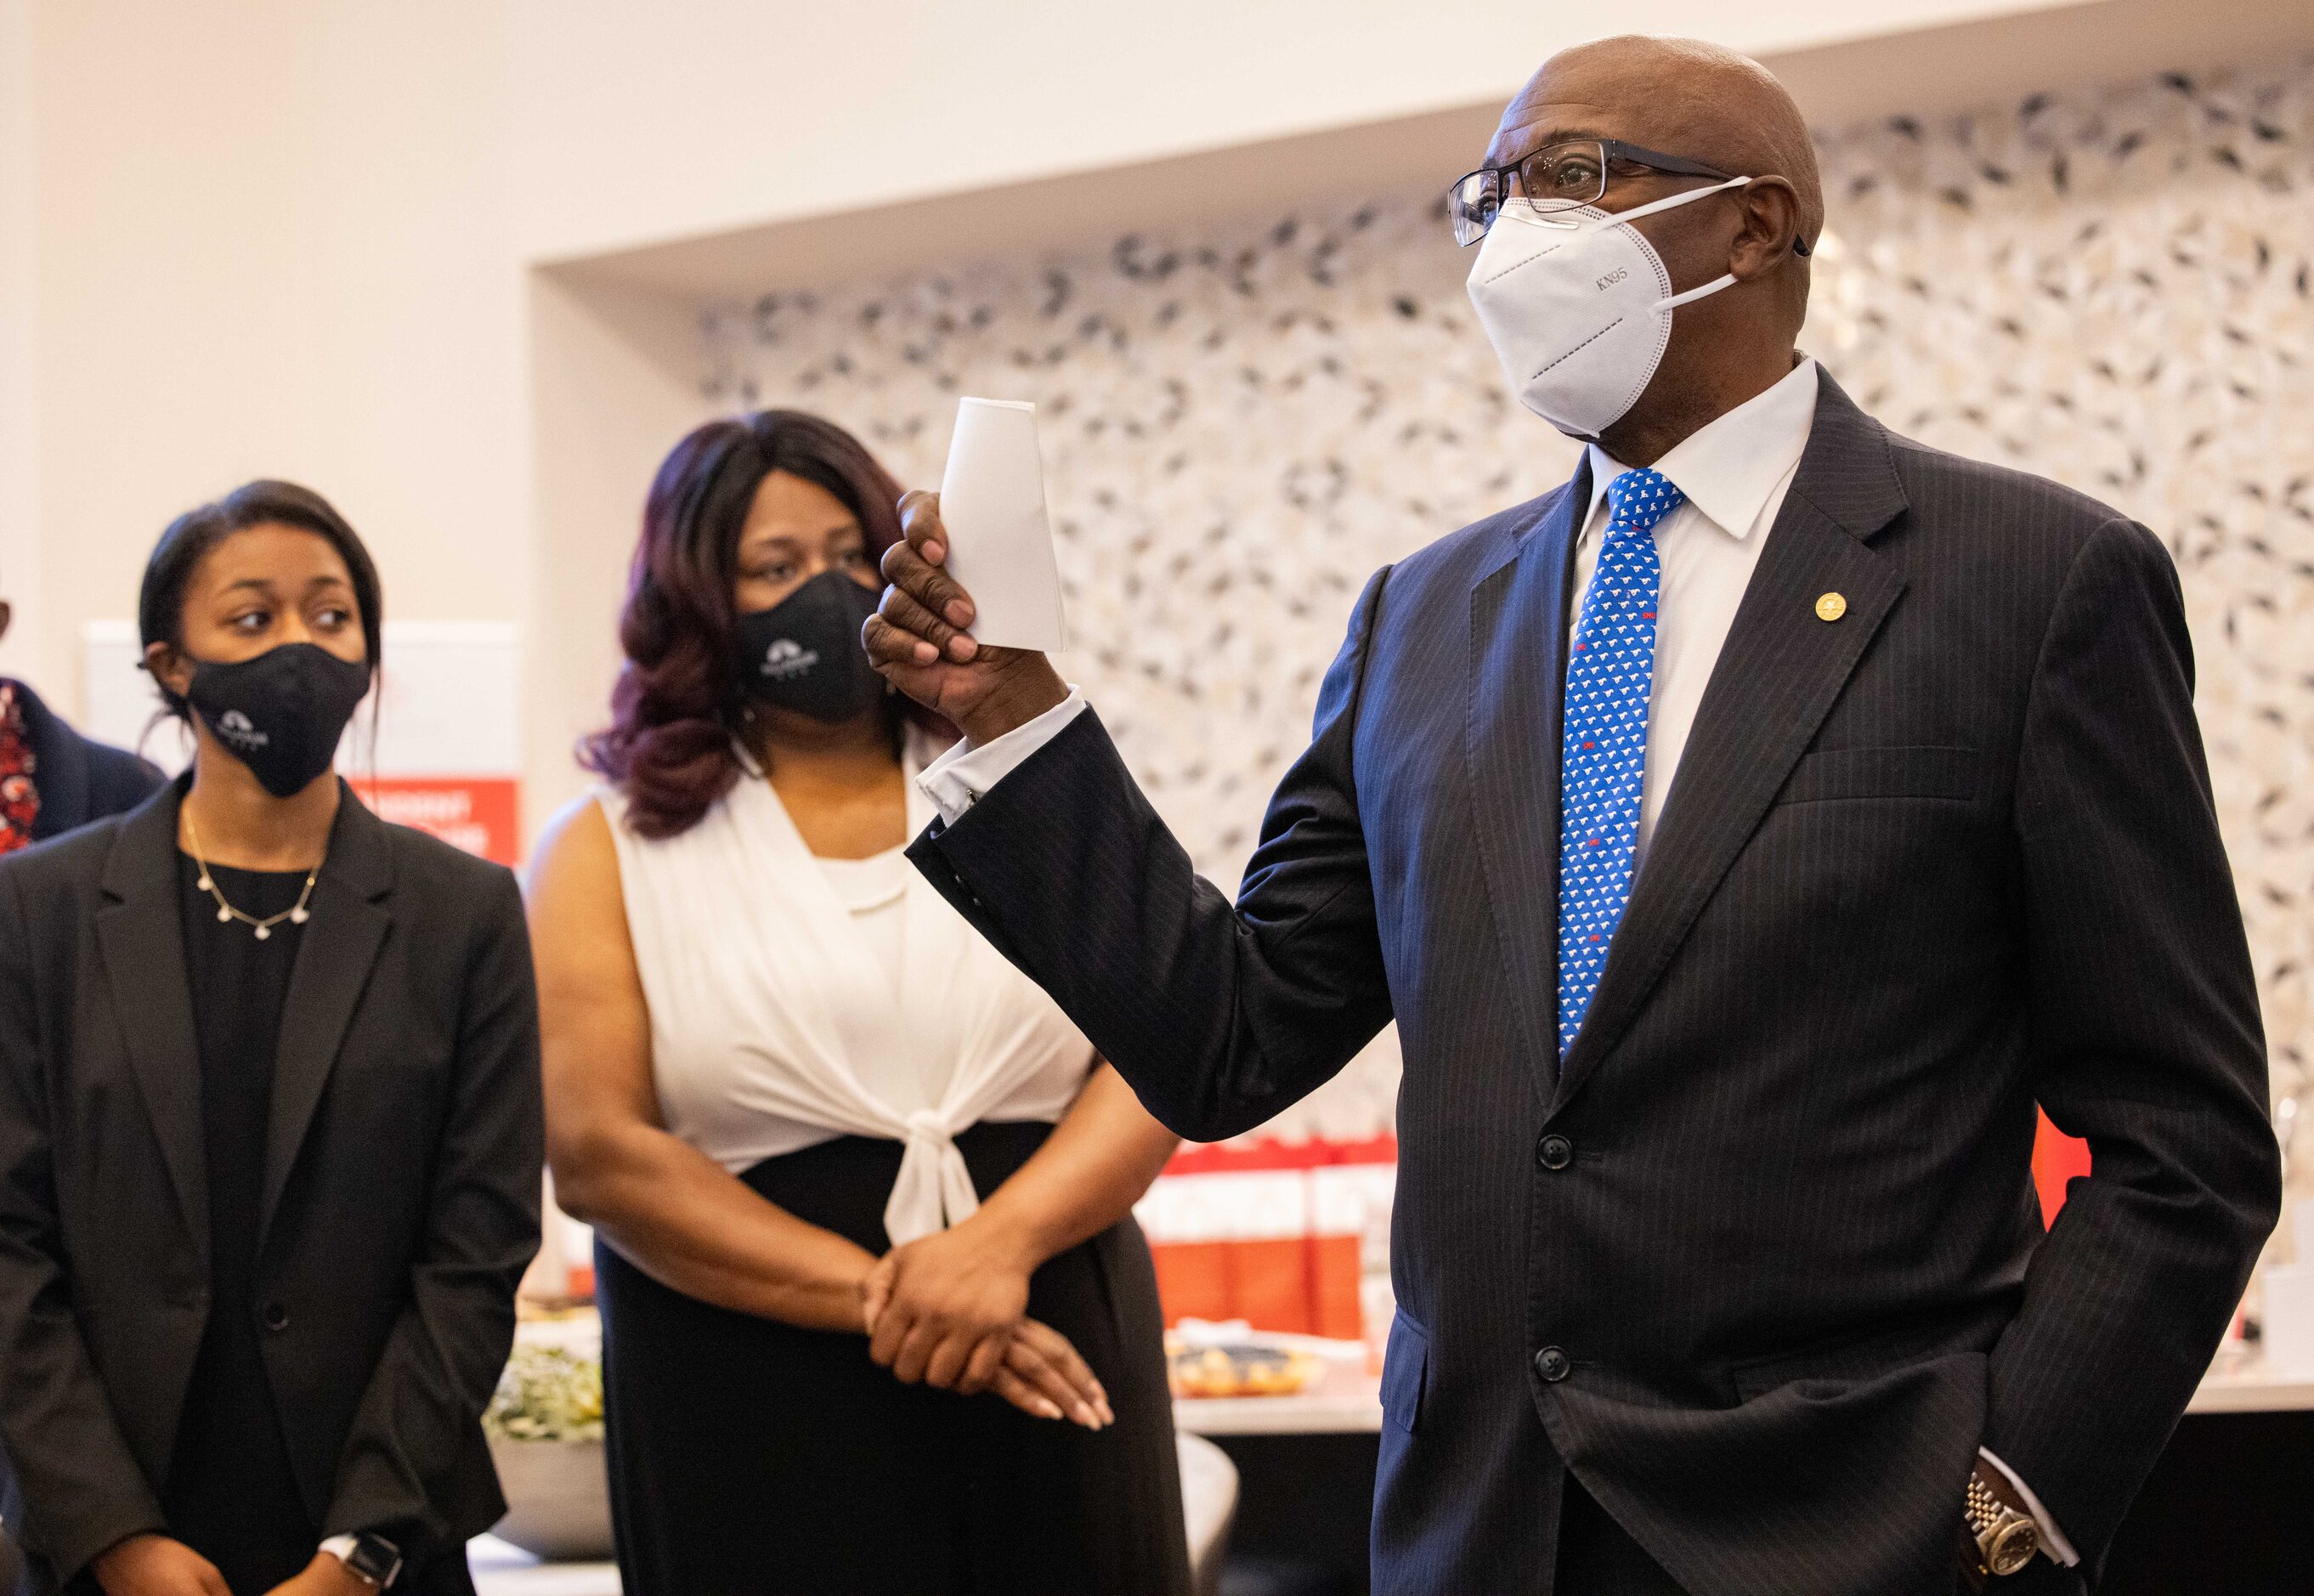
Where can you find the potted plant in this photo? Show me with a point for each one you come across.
(545, 1429)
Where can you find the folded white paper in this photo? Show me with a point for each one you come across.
(1000, 541)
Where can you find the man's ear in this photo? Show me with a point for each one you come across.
(7, 615)
(1771, 209)
(169, 668)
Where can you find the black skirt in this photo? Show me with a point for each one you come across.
(749, 1458)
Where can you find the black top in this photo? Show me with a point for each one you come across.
(231, 1494)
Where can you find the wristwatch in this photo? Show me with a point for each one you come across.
(372, 1559)
(2006, 1539)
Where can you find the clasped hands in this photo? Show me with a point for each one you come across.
(157, 1565)
(950, 1310)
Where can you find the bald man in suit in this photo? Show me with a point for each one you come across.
(1744, 836)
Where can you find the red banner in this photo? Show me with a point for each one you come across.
(479, 814)
(1271, 1232)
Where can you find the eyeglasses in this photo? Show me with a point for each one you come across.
(1555, 178)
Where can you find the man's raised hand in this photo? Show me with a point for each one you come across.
(917, 640)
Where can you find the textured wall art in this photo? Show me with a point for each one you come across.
(2108, 288)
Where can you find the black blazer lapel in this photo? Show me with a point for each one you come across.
(141, 936)
(339, 945)
(1778, 676)
(1517, 686)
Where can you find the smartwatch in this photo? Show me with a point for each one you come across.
(372, 1559)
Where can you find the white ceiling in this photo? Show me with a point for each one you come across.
(1986, 59)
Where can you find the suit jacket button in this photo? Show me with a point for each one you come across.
(1552, 1364)
(1554, 1153)
(276, 1317)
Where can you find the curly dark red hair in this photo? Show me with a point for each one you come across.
(678, 703)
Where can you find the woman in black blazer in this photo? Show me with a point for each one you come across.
(269, 1125)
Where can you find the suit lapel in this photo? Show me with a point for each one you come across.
(1777, 677)
(1517, 685)
(141, 935)
(338, 947)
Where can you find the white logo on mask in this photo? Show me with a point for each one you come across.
(235, 727)
(786, 660)
(1577, 305)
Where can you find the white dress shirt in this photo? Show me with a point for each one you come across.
(1735, 472)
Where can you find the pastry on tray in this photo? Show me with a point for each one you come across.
(1239, 1369)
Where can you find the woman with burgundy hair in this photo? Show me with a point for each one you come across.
(876, 1315)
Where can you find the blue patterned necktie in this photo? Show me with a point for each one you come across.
(1609, 677)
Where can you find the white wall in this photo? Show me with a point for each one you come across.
(19, 548)
(272, 239)
(616, 381)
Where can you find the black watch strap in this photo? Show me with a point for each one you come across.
(374, 1560)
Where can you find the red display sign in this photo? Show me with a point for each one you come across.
(479, 814)
(1270, 1232)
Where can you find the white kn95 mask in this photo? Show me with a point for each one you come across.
(1577, 305)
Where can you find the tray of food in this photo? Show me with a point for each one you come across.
(1239, 1369)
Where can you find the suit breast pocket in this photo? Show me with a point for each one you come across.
(1830, 774)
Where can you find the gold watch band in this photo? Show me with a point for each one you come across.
(2006, 1539)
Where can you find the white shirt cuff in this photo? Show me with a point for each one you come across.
(960, 776)
(2052, 1539)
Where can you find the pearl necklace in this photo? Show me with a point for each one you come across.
(296, 914)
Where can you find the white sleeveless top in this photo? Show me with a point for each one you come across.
(776, 1020)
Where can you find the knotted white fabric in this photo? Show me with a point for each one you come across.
(746, 956)
(934, 1189)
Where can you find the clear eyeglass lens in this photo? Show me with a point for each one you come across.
(1562, 177)
(1473, 206)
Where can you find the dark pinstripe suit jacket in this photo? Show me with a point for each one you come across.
(1923, 865)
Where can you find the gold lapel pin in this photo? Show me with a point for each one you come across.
(1831, 607)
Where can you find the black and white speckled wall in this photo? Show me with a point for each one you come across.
(2108, 288)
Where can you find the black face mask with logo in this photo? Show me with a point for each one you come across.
(804, 653)
(282, 712)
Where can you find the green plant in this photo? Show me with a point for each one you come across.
(547, 1393)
